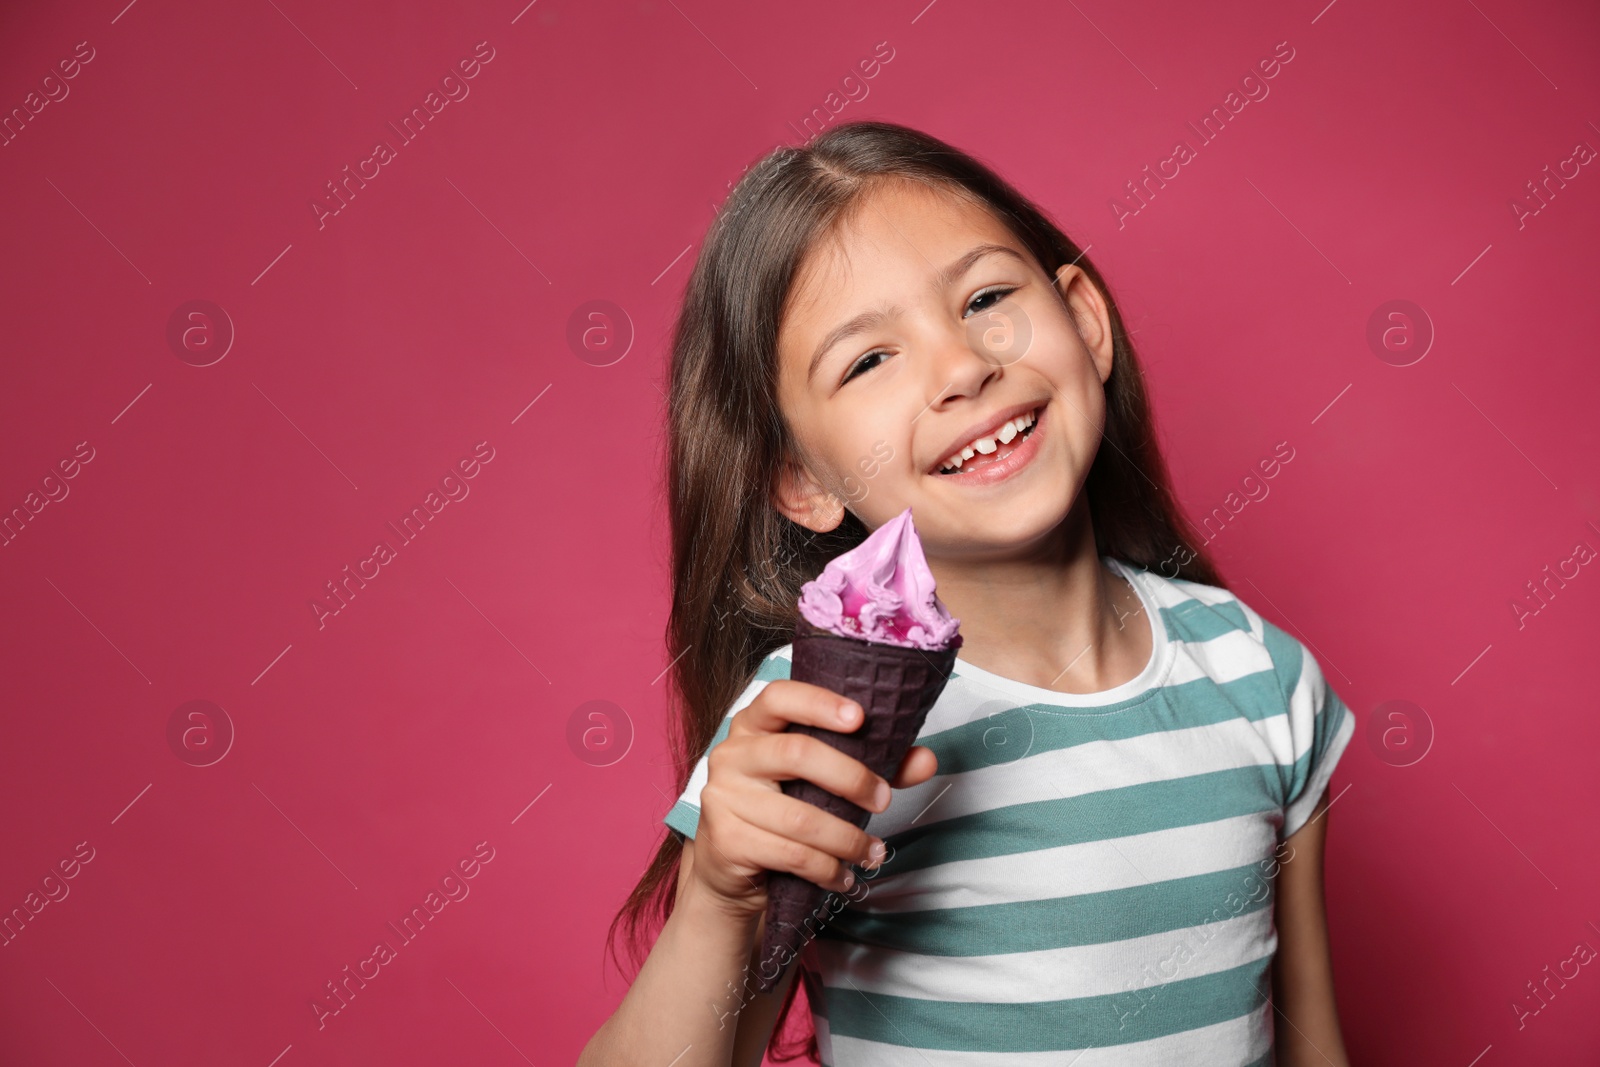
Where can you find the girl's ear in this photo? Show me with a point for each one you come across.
(1087, 307)
(801, 498)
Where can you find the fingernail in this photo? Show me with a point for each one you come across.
(881, 797)
(847, 713)
(877, 852)
(849, 879)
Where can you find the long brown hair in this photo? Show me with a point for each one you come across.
(737, 563)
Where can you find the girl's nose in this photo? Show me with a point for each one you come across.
(976, 350)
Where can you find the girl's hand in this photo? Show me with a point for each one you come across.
(752, 827)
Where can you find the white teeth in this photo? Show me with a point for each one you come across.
(985, 445)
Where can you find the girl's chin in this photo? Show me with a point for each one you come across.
(969, 530)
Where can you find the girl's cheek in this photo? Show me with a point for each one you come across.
(868, 467)
(869, 464)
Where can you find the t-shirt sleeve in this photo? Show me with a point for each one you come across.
(1320, 726)
(684, 815)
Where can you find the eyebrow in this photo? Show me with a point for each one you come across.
(874, 317)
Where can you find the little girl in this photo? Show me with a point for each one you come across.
(1107, 845)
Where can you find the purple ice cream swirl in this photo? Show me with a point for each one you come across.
(881, 590)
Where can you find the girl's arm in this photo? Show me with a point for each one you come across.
(681, 1004)
(1306, 1015)
(690, 1005)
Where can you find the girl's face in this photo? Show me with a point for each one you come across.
(914, 336)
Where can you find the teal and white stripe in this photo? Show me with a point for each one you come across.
(1086, 871)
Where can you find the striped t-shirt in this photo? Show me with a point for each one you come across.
(1086, 871)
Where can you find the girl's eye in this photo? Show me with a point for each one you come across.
(861, 364)
(998, 294)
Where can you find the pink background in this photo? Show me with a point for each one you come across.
(373, 753)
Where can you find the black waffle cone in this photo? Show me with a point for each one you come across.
(896, 687)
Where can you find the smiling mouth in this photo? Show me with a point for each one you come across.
(983, 451)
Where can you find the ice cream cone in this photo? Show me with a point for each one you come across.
(896, 686)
